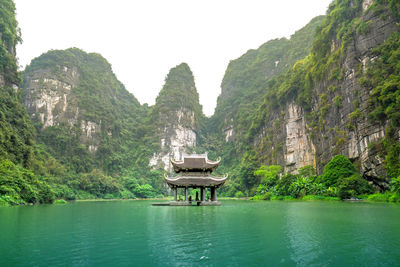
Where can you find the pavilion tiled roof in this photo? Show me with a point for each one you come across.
(195, 162)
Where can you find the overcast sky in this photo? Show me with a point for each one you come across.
(144, 39)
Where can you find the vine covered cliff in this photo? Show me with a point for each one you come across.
(341, 98)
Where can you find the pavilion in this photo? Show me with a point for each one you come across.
(194, 171)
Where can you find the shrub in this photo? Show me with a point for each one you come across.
(352, 186)
(379, 197)
(20, 185)
(269, 174)
(126, 194)
(239, 194)
(60, 201)
(283, 184)
(395, 185)
(338, 168)
(265, 196)
(97, 183)
(307, 171)
(331, 191)
(64, 192)
(337, 101)
(313, 197)
(144, 191)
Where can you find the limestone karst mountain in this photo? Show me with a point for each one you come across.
(177, 116)
(339, 99)
(331, 89)
(82, 112)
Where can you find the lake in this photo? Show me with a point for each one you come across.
(238, 233)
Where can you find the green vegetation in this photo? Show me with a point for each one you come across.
(337, 169)
(383, 78)
(315, 77)
(101, 99)
(42, 164)
(119, 168)
(178, 94)
(21, 186)
(338, 181)
(246, 80)
(16, 131)
(9, 38)
(60, 201)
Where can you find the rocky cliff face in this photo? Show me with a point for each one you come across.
(50, 99)
(336, 122)
(76, 95)
(352, 131)
(247, 77)
(49, 96)
(176, 116)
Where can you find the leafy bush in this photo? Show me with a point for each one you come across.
(395, 185)
(338, 168)
(266, 196)
(144, 191)
(307, 171)
(19, 185)
(64, 192)
(379, 197)
(239, 194)
(352, 186)
(60, 201)
(304, 186)
(97, 183)
(313, 197)
(283, 184)
(269, 174)
(126, 194)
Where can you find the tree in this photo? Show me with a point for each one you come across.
(269, 174)
(352, 186)
(338, 168)
(144, 191)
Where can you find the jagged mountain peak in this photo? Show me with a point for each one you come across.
(77, 103)
(178, 100)
(177, 116)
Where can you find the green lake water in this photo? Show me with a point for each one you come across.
(238, 233)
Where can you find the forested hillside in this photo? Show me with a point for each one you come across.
(339, 99)
(317, 114)
(82, 113)
(18, 153)
(242, 91)
(17, 134)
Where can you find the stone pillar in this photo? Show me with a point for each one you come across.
(186, 194)
(175, 193)
(202, 194)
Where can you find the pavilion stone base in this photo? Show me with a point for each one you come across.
(180, 203)
(195, 203)
(210, 203)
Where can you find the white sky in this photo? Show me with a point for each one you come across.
(144, 39)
